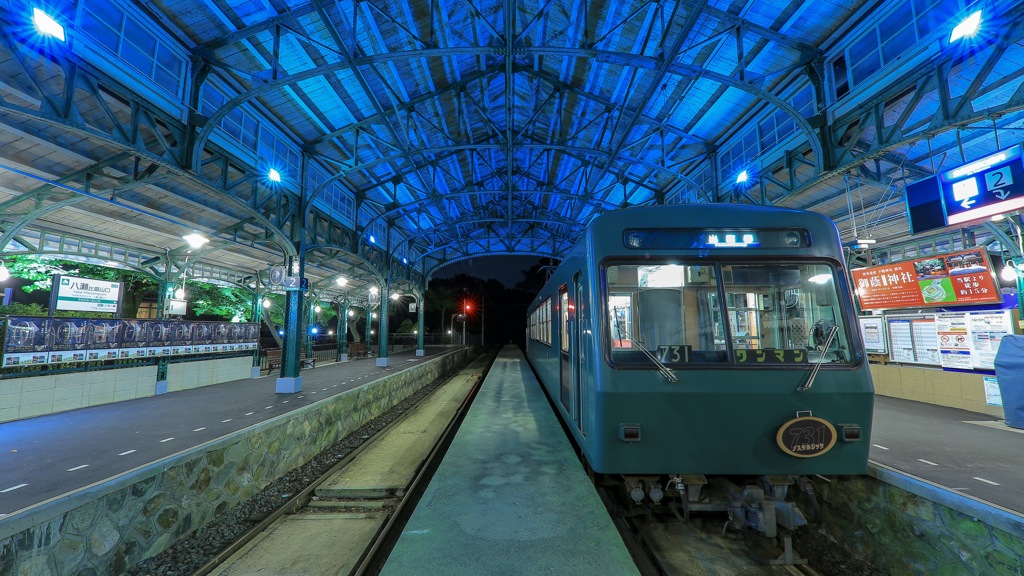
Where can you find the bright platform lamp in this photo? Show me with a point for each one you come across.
(46, 25)
(967, 27)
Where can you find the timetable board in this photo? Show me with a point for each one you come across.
(912, 338)
(956, 340)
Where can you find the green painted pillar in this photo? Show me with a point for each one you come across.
(419, 325)
(382, 347)
(162, 362)
(343, 332)
(257, 317)
(289, 381)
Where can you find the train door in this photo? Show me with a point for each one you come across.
(564, 314)
(576, 353)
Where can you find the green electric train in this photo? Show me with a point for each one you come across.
(701, 344)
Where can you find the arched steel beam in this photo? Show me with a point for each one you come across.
(604, 56)
(596, 202)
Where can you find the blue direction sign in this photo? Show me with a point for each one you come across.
(985, 187)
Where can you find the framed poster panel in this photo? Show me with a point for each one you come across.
(69, 342)
(134, 338)
(104, 339)
(26, 342)
(873, 332)
(912, 338)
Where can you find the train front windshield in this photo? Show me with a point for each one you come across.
(748, 314)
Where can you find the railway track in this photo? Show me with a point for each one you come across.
(350, 516)
(665, 545)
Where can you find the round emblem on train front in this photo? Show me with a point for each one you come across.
(806, 437)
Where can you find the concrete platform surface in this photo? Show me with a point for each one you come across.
(510, 496)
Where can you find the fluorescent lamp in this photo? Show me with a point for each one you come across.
(975, 167)
(195, 239)
(46, 25)
(742, 177)
(341, 281)
(372, 239)
(273, 175)
(865, 241)
(967, 27)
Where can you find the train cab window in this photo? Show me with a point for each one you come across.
(782, 313)
(664, 310)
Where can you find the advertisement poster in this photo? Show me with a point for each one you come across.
(104, 340)
(86, 294)
(964, 277)
(161, 333)
(181, 341)
(27, 341)
(872, 330)
(69, 342)
(202, 337)
(912, 339)
(133, 339)
(250, 336)
(987, 330)
(220, 336)
(954, 340)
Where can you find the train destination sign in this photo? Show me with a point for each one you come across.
(964, 277)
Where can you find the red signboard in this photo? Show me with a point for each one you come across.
(950, 280)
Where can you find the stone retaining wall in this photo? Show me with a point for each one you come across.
(907, 527)
(106, 529)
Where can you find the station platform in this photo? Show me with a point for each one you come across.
(966, 453)
(47, 457)
(510, 496)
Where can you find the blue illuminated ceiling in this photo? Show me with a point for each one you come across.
(454, 128)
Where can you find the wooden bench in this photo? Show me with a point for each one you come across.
(358, 350)
(274, 359)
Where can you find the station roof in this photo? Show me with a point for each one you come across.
(404, 136)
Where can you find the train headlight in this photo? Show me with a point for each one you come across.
(849, 432)
(792, 238)
(634, 240)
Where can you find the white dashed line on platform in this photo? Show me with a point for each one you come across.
(249, 413)
(268, 407)
(286, 401)
(126, 453)
(78, 467)
(879, 446)
(224, 421)
(986, 481)
(324, 390)
(200, 428)
(167, 439)
(13, 488)
(300, 397)
(928, 462)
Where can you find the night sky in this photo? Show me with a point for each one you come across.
(505, 269)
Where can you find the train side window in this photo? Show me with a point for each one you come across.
(664, 310)
(791, 311)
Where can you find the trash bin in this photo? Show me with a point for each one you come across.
(1010, 373)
